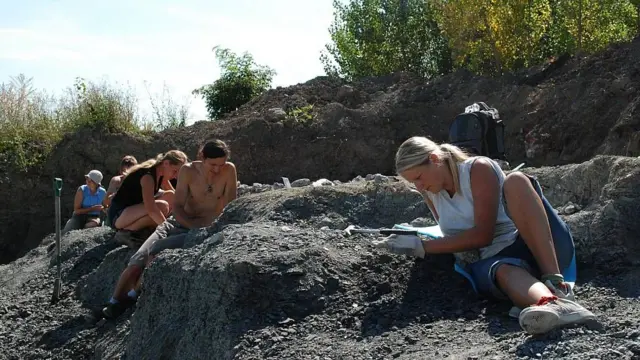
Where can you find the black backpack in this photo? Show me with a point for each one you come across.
(479, 131)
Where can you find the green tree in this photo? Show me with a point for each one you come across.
(586, 26)
(496, 36)
(241, 80)
(378, 37)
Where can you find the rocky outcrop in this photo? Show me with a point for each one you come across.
(599, 198)
(276, 277)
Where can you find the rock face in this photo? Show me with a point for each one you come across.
(563, 113)
(276, 277)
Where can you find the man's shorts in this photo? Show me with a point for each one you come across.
(483, 271)
(168, 235)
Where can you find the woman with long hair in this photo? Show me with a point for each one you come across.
(501, 229)
(135, 205)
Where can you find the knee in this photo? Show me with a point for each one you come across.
(137, 262)
(90, 224)
(168, 196)
(163, 206)
(503, 272)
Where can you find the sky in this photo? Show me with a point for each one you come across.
(150, 44)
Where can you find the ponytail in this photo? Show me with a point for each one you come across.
(453, 155)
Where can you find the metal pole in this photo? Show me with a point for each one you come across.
(57, 190)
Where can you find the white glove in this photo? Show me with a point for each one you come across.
(402, 244)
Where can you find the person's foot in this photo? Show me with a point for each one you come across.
(553, 312)
(112, 311)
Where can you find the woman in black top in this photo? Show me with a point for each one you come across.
(134, 206)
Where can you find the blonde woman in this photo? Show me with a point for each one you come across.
(502, 230)
(134, 207)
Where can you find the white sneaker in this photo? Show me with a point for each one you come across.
(551, 313)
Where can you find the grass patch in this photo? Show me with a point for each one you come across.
(32, 121)
(302, 115)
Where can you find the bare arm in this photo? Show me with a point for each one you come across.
(77, 203)
(231, 191)
(485, 191)
(166, 185)
(180, 199)
(114, 183)
(147, 182)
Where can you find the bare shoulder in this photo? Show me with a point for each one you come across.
(188, 170)
(230, 167)
(482, 165)
(483, 174)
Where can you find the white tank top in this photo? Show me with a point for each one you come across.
(456, 214)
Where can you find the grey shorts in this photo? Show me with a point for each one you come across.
(168, 235)
(78, 222)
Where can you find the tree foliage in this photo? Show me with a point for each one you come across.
(241, 80)
(377, 37)
(496, 35)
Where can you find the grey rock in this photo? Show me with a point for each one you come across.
(275, 114)
(300, 183)
(379, 178)
(322, 182)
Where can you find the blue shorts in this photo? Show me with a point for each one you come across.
(483, 272)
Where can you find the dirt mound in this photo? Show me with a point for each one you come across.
(275, 279)
(565, 112)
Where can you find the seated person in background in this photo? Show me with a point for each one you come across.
(88, 203)
(204, 189)
(134, 207)
(126, 163)
(501, 228)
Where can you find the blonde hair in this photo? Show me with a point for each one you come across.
(175, 157)
(416, 150)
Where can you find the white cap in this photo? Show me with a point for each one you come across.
(95, 176)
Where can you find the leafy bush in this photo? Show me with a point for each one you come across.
(241, 80)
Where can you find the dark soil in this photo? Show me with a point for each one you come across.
(276, 278)
(568, 112)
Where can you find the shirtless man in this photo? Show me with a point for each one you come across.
(204, 188)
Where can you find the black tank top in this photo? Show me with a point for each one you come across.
(130, 191)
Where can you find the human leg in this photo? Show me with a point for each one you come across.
(76, 222)
(92, 222)
(168, 196)
(174, 241)
(506, 277)
(136, 217)
(527, 211)
(125, 291)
